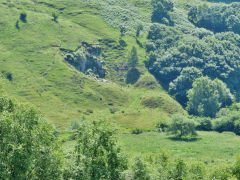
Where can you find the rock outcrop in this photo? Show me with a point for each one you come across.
(87, 60)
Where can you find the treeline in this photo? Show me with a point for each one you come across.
(30, 149)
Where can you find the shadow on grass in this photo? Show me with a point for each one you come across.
(186, 139)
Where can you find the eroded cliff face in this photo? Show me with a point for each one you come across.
(87, 60)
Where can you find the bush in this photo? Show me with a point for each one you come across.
(113, 110)
(180, 170)
(89, 111)
(181, 126)
(139, 170)
(221, 173)
(55, 17)
(197, 170)
(229, 122)
(75, 124)
(204, 124)
(137, 131)
(161, 127)
(23, 17)
(132, 76)
(236, 168)
(122, 43)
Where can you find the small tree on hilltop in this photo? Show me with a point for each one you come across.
(182, 126)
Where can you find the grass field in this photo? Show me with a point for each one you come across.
(211, 148)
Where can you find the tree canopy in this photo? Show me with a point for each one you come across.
(181, 126)
(203, 53)
(208, 96)
(29, 149)
(96, 154)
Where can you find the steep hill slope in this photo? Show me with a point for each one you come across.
(33, 68)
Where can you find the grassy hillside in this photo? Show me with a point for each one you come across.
(34, 57)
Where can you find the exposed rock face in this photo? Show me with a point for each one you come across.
(87, 60)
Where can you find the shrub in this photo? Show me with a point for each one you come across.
(122, 43)
(181, 126)
(229, 122)
(75, 124)
(113, 110)
(139, 170)
(221, 173)
(204, 124)
(197, 170)
(89, 111)
(236, 168)
(161, 127)
(148, 82)
(55, 17)
(132, 76)
(23, 17)
(137, 131)
(17, 25)
(180, 169)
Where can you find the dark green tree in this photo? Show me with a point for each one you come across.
(183, 83)
(161, 9)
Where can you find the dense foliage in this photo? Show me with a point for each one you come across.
(207, 97)
(29, 148)
(177, 59)
(216, 18)
(96, 154)
(161, 9)
(181, 126)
